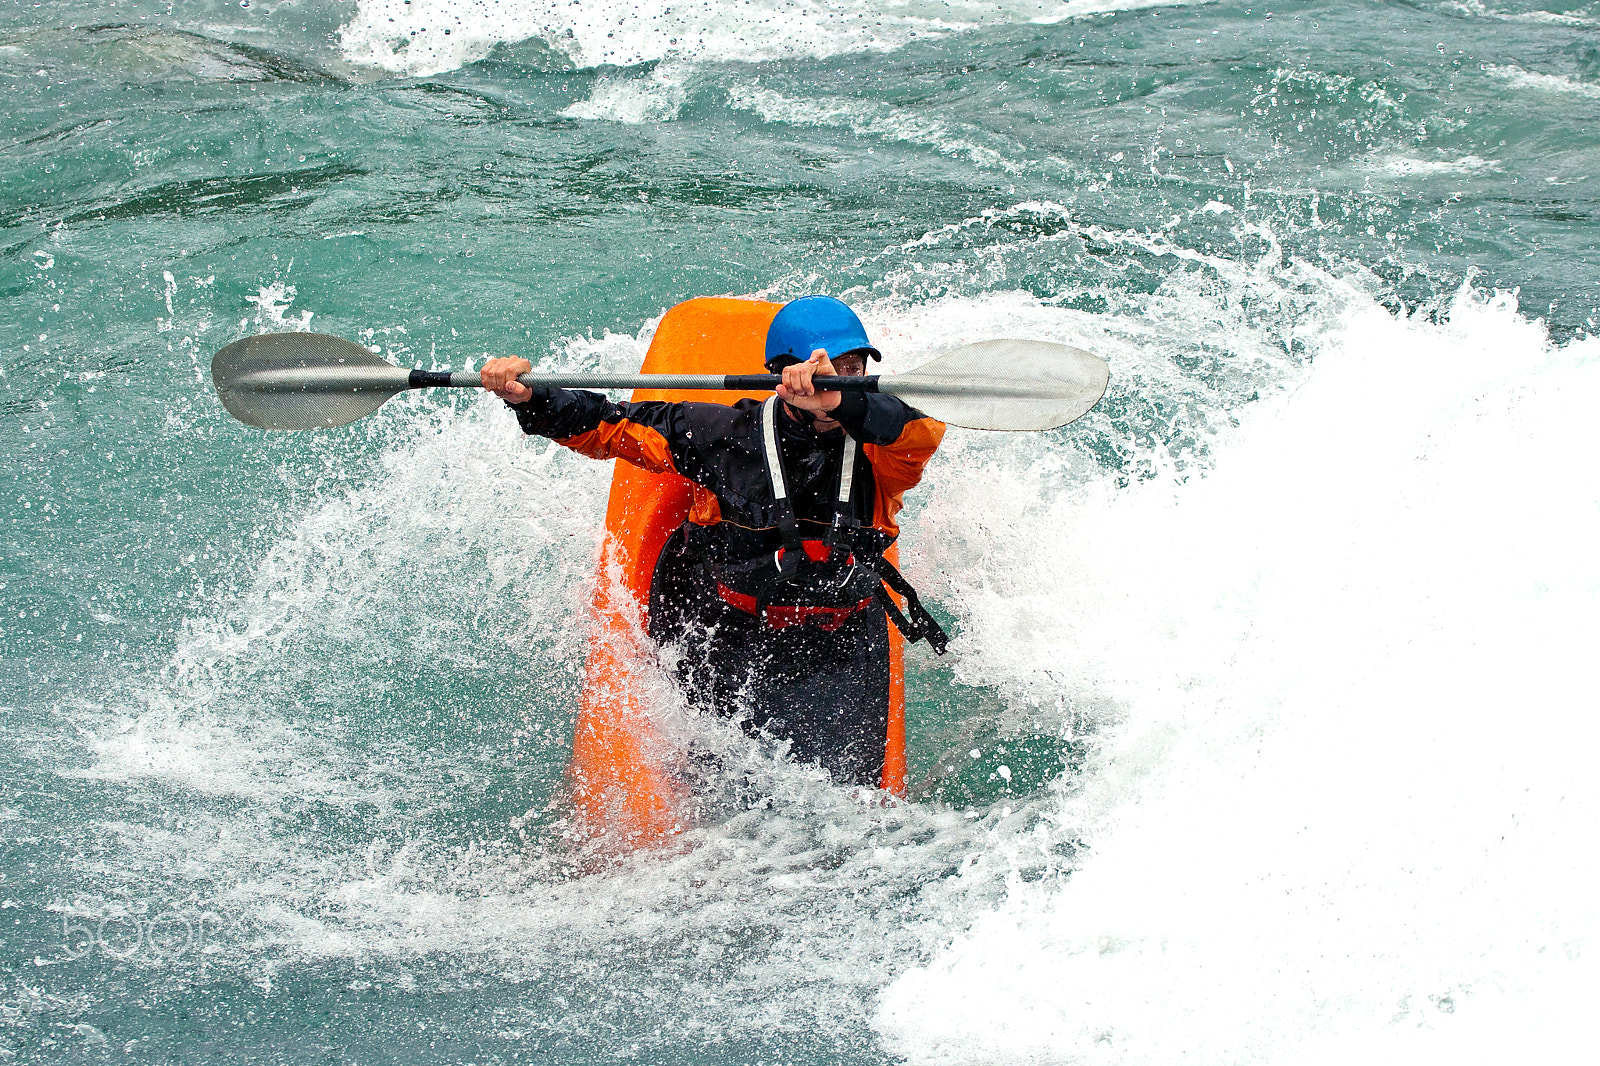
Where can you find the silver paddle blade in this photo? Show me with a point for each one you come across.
(264, 381)
(1004, 385)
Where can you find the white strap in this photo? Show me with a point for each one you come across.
(769, 436)
(847, 470)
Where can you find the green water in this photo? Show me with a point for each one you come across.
(311, 694)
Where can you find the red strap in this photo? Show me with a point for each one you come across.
(781, 617)
(737, 600)
(817, 551)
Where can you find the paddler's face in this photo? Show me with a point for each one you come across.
(850, 365)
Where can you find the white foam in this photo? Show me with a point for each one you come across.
(1344, 814)
(1577, 17)
(272, 307)
(430, 36)
(495, 514)
(657, 98)
(1550, 83)
(868, 119)
(1467, 164)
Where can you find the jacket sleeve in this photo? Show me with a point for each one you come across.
(897, 464)
(873, 418)
(654, 435)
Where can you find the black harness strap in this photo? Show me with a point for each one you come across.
(921, 625)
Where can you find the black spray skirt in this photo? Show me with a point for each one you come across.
(826, 693)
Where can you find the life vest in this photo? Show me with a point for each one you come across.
(822, 582)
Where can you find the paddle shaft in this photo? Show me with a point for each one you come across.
(422, 379)
(393, 379)
(333, 379)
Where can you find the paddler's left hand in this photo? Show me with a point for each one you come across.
(798, 390)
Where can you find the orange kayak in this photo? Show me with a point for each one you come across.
(621, 775)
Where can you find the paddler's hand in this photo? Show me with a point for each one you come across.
(500, 377)
(798, 390)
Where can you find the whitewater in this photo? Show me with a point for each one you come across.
(1266, 729)
(1336, 818)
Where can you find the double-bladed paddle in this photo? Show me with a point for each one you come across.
(311, 381)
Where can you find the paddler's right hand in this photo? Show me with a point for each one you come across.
(500, 377)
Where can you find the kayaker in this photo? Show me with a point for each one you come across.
(771, 596)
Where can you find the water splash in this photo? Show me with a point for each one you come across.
(1344, 669)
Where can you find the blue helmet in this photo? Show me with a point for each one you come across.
(813, 322)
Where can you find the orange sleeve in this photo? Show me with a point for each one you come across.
(643, 446)
(897, 467)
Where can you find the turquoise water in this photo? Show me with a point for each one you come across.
(284, 715)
